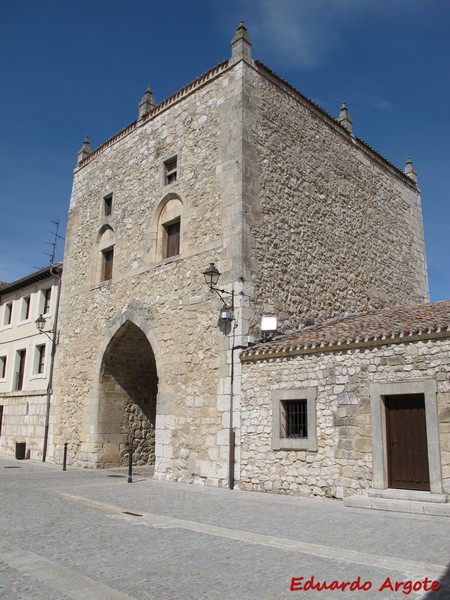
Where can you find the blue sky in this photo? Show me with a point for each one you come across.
(71, 69)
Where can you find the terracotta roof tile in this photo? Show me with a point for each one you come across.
(384, 325)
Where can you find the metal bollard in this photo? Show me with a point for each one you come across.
(130, 463)
(65, 456)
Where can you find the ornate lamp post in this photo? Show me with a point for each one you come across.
(212, 275)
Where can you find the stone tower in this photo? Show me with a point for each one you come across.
(238, 168)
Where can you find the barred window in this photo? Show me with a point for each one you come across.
(295, 419)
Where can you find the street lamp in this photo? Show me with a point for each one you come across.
(40, 322)
(212, 275)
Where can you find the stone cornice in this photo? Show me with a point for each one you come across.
(271, 76)
(342, 346)
(185, 91)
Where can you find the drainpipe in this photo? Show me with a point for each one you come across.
(56, 274)
(231, 432)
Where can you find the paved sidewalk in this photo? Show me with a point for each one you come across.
(89, 535)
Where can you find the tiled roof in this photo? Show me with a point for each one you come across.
(377, 327)
(43, 273)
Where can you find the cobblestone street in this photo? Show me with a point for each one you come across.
(89, 535)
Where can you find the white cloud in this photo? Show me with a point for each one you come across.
(305, 32)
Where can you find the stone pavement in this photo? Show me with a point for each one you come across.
(89, 535)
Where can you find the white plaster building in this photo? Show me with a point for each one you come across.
(26, 361)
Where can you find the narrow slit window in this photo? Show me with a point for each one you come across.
(108, 261)
(173, 239)
(47, 300)
(21, 369)
(2, 367)
(26, 308)
(107, 205)
(40, 359)
(170, 170)
(8, 314)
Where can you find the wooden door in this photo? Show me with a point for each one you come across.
(406, 439)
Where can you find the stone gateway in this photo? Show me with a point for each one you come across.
(304, 221)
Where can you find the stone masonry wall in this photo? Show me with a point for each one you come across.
(23, 421)
(332, 227)
(166, 299)
(342, 464)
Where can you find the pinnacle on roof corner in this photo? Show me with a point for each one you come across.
(410, 170)
(85, 150)
(241, 44)
(345, 119)
(147, 102)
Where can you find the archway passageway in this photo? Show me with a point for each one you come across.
(127, 401)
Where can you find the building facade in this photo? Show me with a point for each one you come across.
(26, 361)
(303, 220)
(358, 406)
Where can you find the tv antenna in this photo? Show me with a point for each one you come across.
(53, 244)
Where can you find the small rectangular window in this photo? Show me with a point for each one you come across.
(1, 418)
(173, 239)
(7, 315)
(2, 367)
(108, 260)
(25, 308)
(47, 300)
(21, 356)
(40, 358)
(107, 205)
(294, 419)
(170, 170)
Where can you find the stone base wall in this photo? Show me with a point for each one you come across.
(23, 421)
(342, 464)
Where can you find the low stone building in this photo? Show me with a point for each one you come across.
(357, 405)
(26, 361)
(238, 169)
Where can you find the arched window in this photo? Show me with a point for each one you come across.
(170, 229)
(105, 258)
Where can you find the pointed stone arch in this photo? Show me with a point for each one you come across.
(128, 389)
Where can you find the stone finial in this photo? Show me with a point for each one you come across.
(344, 119)
(147, 103)
(410, 171)
(241, 46)
(85, 150)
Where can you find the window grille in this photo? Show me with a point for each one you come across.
(295, 415)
